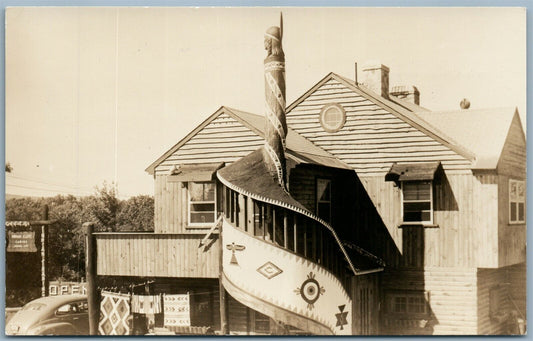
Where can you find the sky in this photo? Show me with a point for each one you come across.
(96, 95)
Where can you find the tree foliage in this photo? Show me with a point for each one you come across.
(66, 236)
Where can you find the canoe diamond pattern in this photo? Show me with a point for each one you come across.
(269, 270)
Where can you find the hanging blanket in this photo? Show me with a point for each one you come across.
(146, 304)
(114, 313)
(177, 310)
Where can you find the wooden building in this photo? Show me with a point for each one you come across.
(394, 219)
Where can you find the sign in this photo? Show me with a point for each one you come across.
(177, 310)
(22, 241)
(66, 288)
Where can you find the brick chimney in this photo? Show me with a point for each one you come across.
(376, 78)
(408, 93)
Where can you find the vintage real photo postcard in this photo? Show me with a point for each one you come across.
(265, 171)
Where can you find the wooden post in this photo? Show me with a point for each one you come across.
(90, 272)
(295, 234)
(224, 327)
(44, 253)
(285, 231)
(273, 225)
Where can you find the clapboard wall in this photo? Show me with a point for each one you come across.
(223, 139)
(372, 138)
(465, 217)
(512, 165)
(451, 296)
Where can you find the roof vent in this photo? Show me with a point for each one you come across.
(465, 104)
(408, 93)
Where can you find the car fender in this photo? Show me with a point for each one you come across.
(59, 328)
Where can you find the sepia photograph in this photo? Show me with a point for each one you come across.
(259, 171)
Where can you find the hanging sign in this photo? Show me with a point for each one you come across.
(22, 241)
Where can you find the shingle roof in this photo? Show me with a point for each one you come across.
(481, 131)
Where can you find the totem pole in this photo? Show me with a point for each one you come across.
(276, 125)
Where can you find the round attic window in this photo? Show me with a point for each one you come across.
(332, 117)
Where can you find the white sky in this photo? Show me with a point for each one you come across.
(98, 94)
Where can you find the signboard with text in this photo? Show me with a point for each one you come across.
(66, 288)
(21, 241)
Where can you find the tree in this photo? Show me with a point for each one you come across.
(66, 237)
(137, 214)
(105, 207)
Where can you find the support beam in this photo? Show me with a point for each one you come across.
(44, 253)
(285, 229)
(90, 270)
(295, 235)
(224, 327)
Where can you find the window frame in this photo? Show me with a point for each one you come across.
(517, 201)
(317, 199)
(391, 295)
(328, 127)
(206, 224)
(431, 207)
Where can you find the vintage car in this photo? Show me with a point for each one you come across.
(52, 315)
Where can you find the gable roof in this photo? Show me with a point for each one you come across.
(402, 112)
(482, 131)
(298, 147)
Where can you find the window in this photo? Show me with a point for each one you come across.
(517, 199)
(417, 201)
(201, 203)
(408, 302)
(332, 117)
(323, 199)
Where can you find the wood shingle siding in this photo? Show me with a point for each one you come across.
(224, 139)
(156, 255)
(372, 138)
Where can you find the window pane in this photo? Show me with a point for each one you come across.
(196, 191)
(416, 190)
(521, 192)
(417, 216)
(521, 212)
(513, 190)
(209, 191)
(323, 188)
(513, 211)
(202, 207)
(400, 305)
(416, 206)
(202, 217)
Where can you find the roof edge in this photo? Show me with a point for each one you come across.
(151, 168)
(409, 118)
(516, 115)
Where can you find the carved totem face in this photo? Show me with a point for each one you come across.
(268, 45)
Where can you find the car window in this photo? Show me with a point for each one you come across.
(72, 308)
(34, 306)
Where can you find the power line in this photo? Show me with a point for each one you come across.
(47, 182)
(46, 189)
